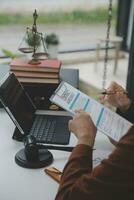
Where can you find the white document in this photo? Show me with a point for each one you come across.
(108, 122)
(98, 156)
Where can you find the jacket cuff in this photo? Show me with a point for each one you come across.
(81, 150)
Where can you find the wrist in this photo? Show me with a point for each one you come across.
(125, 106)
(86, 140)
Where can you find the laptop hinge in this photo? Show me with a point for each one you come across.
(18, 135)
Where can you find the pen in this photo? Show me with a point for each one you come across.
(110, 93)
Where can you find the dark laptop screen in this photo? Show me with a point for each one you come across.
(16, 101)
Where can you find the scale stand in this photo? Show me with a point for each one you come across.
(33, 40)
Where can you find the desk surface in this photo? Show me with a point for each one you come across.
(29, 184)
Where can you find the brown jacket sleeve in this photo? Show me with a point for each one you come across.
(113, 179)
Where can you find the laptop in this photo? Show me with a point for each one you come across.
(46, 127)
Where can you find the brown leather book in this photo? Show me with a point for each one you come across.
(31, 74)
(44, 66)
(38, 80)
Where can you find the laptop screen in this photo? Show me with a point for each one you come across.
(17, 103)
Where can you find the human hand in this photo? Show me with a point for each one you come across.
(117, 98)
(83, 128)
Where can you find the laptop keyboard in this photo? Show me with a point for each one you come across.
(44, 130)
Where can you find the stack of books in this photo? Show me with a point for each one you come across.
(45, 72)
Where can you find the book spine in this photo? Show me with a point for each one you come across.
(50, 70)
(35, 74)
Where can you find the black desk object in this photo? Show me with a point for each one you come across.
(41, 92)
(71, 76)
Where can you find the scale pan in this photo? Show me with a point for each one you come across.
(26, 50)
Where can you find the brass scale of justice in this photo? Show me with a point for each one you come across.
(36, 57)
(37, 38)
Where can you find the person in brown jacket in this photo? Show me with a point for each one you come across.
(113, 179)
